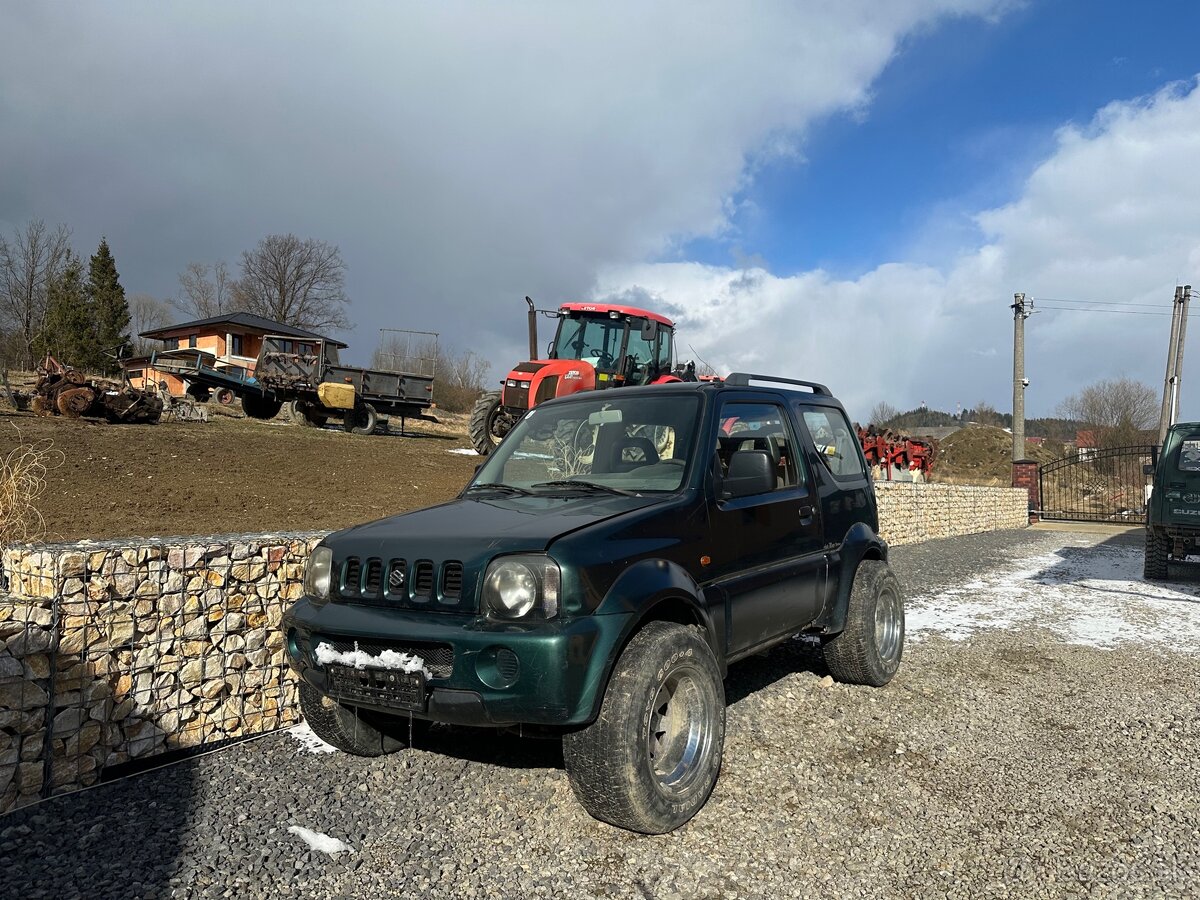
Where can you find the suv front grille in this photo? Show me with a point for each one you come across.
(374, 582)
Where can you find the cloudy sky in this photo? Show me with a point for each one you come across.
(843, 190)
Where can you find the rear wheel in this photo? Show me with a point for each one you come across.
(307, 414)
(869, 649)
(482, 427)
(346, 728)
(260, 407)
(650, 760)
(74, 402)
(224, 396)
(361, 420)
(1158, 551)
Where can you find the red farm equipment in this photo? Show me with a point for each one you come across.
(595, 347)
(896, 454)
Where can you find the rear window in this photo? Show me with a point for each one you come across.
(1189, 456)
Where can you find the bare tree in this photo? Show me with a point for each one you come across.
(459, 377)
(298, 282)
(146, 313)
(1119, 410)
(882, 413)
(29, 263)
(208, 290)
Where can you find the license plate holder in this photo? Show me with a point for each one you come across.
(379, 687)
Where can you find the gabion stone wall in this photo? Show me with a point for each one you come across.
(909, 513)
(111, 653)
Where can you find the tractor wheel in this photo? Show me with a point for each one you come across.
(224, 396)
(74, 403)
(1158, 550)
(199, 392)
(483, 423)
(260, 407)
(574, 447)
(361, 420)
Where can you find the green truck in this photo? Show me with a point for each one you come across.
(1173, 509)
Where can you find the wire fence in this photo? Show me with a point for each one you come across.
(111, 655)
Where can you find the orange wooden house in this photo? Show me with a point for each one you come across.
(232, 341)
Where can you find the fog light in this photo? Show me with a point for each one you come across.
(498, 667)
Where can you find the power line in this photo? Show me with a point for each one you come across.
(1105, 302)
(1126, 312)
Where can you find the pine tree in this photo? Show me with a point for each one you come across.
(109, 308)
(69, 333)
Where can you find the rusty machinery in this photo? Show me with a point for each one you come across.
(63, 391)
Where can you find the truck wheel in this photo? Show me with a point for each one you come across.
(651, 758)
(340, 726)
(308, 414)
(1157, 553)
(483, 421)
(361, 420)
(225, 396)
(260, 407)
(868, 651)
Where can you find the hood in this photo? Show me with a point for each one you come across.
(470, 528)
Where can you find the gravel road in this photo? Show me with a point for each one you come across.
(1041, 739)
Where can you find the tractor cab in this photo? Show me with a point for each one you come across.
(596, 346)
(625, 346)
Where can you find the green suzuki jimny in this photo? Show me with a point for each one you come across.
(1173, 508)
(605, 565)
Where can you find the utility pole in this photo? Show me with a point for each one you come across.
(1179, 347)
(1020, 382)
(1167, 413)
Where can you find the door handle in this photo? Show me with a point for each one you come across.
(806, 512)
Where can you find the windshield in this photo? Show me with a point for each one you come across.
(627, 444)
(591, 339)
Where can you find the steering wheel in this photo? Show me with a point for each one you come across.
(602, 359)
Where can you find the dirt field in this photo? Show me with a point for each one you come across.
(235, 474)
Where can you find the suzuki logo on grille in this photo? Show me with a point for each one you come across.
(1191, 498)
(396, 579)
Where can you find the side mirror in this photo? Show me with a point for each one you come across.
(1148, 468)
(750, 472)
(649, 330)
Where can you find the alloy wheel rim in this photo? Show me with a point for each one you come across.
(888, 626)
(679, 731)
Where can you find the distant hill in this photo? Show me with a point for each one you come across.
(918, 421)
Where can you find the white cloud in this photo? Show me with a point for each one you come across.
(1110, 215)
(460, 154)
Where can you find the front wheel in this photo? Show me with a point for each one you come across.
(650, 760)
(868, 650)
(346, 728)
(482, 427)
(1158, 551)
(260, 407)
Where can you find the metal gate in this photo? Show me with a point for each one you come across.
(1096, 485)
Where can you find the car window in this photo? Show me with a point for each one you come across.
(760, 426)
(1189, 456)
(835, 441)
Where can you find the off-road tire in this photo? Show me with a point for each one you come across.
(361, 420)
(346, 728)
(260, 407)
(869, 649)
(1158, 551)
(610, 763)
(483, 416)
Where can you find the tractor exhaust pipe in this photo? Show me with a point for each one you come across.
(533, 341)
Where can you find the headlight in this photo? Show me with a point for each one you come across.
(316, 573)
(516, 586)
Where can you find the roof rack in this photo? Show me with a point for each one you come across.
(743, 379)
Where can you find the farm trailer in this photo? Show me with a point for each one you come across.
(315, 384)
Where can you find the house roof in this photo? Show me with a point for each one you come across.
(246, 320)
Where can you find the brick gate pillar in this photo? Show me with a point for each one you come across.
(1025, 475)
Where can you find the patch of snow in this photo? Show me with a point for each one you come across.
(1094, 596)
(308, 740)
(361, 659)
(318, 841)
(464, 451)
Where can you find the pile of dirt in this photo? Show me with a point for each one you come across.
(982, 454)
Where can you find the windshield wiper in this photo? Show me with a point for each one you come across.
(498, 486)
(585, 486)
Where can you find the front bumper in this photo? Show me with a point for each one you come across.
(558, 677)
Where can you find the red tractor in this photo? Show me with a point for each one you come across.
(597, 346)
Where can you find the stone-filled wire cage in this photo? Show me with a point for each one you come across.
(113, 653)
